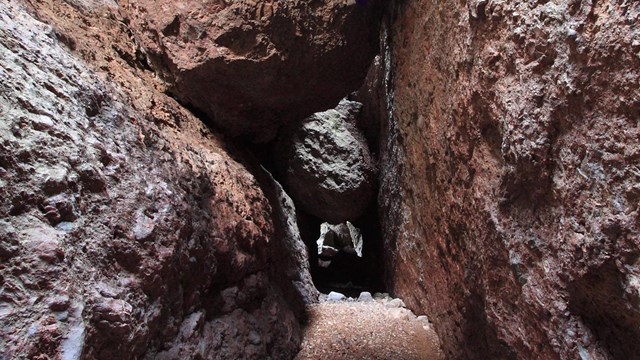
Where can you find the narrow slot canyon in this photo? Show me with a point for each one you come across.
(323, 179)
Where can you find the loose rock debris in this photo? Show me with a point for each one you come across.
(372, 327)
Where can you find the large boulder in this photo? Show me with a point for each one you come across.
(253, 65)
(127, 228)
(327, 165)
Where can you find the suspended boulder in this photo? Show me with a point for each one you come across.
(327, 165)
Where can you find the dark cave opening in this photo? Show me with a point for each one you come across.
(347, 273)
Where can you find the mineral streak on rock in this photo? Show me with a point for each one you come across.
(509, 174)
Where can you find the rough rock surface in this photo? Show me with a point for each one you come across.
(293, 253)
(327, 166)
(127, 228)
(371, 95)
(510, 175)
(240, 62)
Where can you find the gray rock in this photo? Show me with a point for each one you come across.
(254, 338)
(41, 122)
(395, 303)
(62, 316)
(381, 296)
(334, 238)
(144, 227)
(65, 226)
(327, 164)
(365, 296)
(73, 343)
(335, 296)
(295, 256)
(190, 324)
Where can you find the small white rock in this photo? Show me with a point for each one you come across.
(335, 296)
(400, 313)
(365, 296)
(395, 303)
(381, 296)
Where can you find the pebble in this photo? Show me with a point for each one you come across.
(41, 122)
(381, 296)
(395, 303)
(401, 314)
(365, 296)
(335, 296)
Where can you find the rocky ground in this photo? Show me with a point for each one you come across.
(377, 327)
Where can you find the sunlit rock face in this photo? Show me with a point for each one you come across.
(509, 185)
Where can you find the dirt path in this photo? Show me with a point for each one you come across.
(377, 329)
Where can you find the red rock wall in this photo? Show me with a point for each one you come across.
(128, 229)
(510, 172)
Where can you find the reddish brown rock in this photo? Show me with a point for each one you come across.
(510, 166)
(124, 222)
(251, 66)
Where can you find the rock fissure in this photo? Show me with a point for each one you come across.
(233, 180)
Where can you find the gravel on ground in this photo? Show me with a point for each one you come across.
(377, 329)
